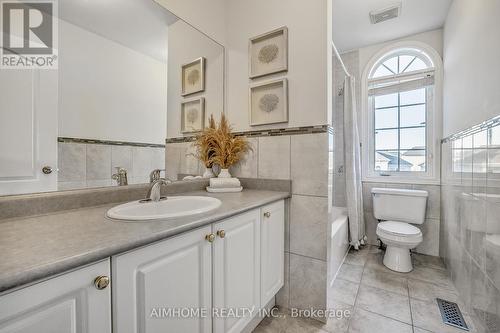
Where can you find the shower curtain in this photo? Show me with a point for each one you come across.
(352, 161)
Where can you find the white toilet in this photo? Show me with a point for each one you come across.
(397, 208)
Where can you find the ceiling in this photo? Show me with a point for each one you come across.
(137, 24)
(352, 28)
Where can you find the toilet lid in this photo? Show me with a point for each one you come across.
(399, 228)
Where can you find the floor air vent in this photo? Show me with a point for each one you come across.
(450, 312)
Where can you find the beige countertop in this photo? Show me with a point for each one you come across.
(36, 247)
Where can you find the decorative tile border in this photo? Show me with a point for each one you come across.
(108, 142)
(490, 123)
(268, 132)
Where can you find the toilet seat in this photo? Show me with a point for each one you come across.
(399, 238)
(399, 232)
(398, 228)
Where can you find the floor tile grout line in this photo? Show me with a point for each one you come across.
(385, 290)
(345, 280)
(356, 297)
(409, 305)
(419, 280)
(408, 294)
(381, 315)
(385, 316)
(435, 284)
(304, 256)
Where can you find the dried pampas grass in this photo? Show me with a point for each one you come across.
(217, 145)
(203, 143)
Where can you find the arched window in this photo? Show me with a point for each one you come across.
(402, 62)
(400, 109)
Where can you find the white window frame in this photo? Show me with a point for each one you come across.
(433, 120)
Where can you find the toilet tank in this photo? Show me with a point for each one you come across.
(390, 204)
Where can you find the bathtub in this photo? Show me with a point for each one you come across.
(339, 241)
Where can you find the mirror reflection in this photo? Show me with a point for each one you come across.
(129, 75)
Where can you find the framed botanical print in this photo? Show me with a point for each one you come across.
(193, 77)
(269, 102)
(268, 53)
(193, 115)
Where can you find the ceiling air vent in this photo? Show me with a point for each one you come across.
(385, 14)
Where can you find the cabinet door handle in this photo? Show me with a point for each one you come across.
(221, 233)
(267, 214)
(101, 282)
(210, 238)
(47, 170)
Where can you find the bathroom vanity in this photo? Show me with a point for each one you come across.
(83, 272)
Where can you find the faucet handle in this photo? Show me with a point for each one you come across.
(120, 169)
(120, 176)
(155, 175)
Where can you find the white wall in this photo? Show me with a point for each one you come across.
(186, 44)
(308, 47)
(206, 15)
(471, 64)
(108, 91)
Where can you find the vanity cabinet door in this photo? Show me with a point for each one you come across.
(68, 303)
(155, 285)
(236, 270)
(272, 231)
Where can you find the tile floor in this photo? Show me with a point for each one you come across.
(377, 299)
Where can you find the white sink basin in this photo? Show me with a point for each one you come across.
(173, 207)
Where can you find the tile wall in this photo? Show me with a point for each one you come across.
(302, 158)
(84, 165)
(470, 229)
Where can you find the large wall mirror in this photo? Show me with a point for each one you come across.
(130, 74)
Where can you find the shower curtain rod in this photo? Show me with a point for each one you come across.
(337, 54)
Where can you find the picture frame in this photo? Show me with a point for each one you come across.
(193, 115)
(193, 77)
(268, 102)
(268, 53)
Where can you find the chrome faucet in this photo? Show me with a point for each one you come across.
(155, 175)
(154, 191)
(120, 176)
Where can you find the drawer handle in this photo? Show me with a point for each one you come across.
(101, 282)
(221, 233)
(210, 238)
(267, 214)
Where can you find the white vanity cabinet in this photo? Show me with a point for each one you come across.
(201, 281)
(236, 255)
(171, 275)
(68, 303)
(226, 268)
(272, 244)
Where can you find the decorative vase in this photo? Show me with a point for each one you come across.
(208, 173)
(224, 173)
(216, 169)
